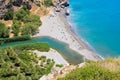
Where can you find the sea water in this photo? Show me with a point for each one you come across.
(98, 23)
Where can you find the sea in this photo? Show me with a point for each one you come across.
(97, 22)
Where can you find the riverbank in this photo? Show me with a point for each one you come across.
(53, 54)
(56, 26)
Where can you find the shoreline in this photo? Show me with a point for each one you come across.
(79, 38)
(53, 54)
(71, 31)
(57, 26)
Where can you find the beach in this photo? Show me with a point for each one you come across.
(55, 25)
(53, 54)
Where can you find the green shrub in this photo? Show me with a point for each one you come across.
(9, 15)
(59, 65)
(20, 14)
(35, 46)
(4, 32)
(48, 3)
(16, 27)
(14, 39)
(31, 24)
(91, 71)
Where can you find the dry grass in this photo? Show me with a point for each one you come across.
(11, 35)
(7, 23)
(112, 64)
(40, 11)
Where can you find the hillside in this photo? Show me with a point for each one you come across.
(22, 17)
(17, 64)
(108, 69)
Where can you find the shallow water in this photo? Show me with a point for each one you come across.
(98, 23)
(70, 55)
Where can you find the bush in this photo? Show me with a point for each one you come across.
(9, 15)
(48, 3)
(32, 18)
(59, 65)
(16, 27)
(4, 32)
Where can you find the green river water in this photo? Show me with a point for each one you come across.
(70, 55)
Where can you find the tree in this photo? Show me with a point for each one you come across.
(26, 68)
(31, 24)
(4, 32)
(16, 27)
(9, 15)
(29, 29)
(32, 18)
(20, 14)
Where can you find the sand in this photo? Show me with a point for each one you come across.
(56, 26)
(53, 54)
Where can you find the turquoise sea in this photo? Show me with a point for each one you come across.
(98, 23)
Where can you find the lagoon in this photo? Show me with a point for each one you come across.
(70, 55)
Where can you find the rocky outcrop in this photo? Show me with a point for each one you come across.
(2, 8)
(7, 4)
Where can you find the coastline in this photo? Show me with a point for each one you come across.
(57, 26)
(70, 30)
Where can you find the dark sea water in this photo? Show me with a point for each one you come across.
(98, 23)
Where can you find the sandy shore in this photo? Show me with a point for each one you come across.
(56, 26)
(53, 54)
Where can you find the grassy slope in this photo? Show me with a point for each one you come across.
(108, 69)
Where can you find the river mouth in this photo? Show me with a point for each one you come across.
(70, 55)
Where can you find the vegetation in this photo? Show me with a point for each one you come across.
(95, 71)
(59, 65)
(21, 13)
(14, 39)
(44, 47)
(9, 15)
(23, 24)
(48, 3)
(23, 66)
(4, 32)
(16, 27)
(17, 2)
(31, 24)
